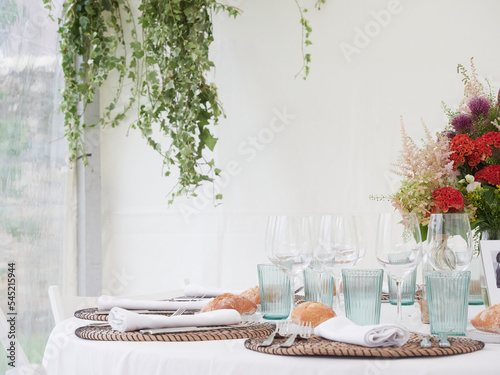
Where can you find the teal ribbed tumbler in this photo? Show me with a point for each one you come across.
(362, 295)
(318, 287)
(275, 293)
(447, 295)
(407, 289)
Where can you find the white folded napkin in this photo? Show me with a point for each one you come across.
(344, 330)
(108, 302)
(124, 320)
(193, 290)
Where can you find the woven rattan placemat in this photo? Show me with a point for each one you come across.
(317, 346)
(246, 330)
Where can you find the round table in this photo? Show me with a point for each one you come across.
(67, 354)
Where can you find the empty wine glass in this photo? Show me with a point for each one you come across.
(288, 245)
(398, 248)
(449, 242)
(337, 248)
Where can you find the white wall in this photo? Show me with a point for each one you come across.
(335, 134)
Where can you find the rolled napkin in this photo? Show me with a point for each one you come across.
(344, 330)
(124, 320)
(193, 290)
(108, 302)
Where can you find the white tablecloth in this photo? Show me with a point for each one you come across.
(67, 354)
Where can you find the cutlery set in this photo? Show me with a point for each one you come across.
(287, 328)
(186, 329)
(426, 339)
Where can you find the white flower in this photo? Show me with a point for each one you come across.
(469, 178)
(472, 186)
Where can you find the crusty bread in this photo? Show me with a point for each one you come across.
(488, 320)
(252, 294)
(313, 312)
(231, 301)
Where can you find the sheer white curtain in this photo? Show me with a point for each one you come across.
(33, 167)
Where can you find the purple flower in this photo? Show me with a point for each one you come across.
(462, 123)
(446, 134)
(479, 106)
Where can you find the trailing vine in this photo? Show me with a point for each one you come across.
(167, 70)
(181, 101)
(306, 40)
(90, 34)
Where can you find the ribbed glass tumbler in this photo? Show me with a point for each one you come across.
(407, 289)
(318, 287)
(362, 295)
(275, 292)
(448, 294)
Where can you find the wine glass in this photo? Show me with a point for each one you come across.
(398, 248)
(337, 248)
(449, 242)
(288, 245)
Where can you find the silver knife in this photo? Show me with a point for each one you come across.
(186, 329)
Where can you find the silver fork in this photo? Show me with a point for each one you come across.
(182, 310)
(179, 311)
(295, 330)
(307, 331)
(270, 338)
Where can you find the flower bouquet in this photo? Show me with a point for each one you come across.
(458, 169)
(474, 133)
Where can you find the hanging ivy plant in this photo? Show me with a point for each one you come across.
(167, 70)
(181, 101)
(90, 34)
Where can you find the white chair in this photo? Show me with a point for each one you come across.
(63, 307)
(23, 366)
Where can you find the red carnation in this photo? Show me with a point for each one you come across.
(448, 199)
(489, 174)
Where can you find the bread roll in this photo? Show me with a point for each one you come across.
(252, 294)
(230, 301)
(488, 320)
(313, 312)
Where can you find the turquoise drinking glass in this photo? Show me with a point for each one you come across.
(447, 295)
(408, 286)
(318, 286)
(275, 292)
(362, 295)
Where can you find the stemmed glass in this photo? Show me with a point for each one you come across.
(449, 242)
(337, 248)
(399, 249)
(289, 246)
